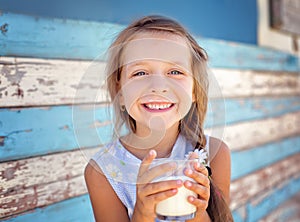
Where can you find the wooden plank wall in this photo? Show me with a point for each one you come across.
(47, 135)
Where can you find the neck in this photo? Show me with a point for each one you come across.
(161, 141)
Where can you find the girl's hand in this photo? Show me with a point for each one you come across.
(201, 186)
(148, 193)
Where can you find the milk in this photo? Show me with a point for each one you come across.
(178, 204)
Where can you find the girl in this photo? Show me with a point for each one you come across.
(157, 81)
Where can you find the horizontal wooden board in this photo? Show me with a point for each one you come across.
(26, 132)
(264, 180)
(76, 209)
(248, 109)
(37, 131)
(248, 135)
(247, 161)
(32, 36)
(36, 182)
(289, 211)
(250, 83)
(37, 82)
(263, 205)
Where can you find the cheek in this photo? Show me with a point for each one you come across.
(131, 91)
(184, 92)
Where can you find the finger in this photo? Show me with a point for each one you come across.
(202, 191)
(157, 187)
(193, 156)
(162, 170)
(199, 203)
(145, 164)
(162, 195)
(201, 168)
(199, 177)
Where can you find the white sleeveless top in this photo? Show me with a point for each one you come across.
(121, 168)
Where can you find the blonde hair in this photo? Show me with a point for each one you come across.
(191, 126)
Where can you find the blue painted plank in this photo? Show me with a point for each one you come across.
(220, 16)
(243, 56)
(79, 208)
(42, 130)
(247, 109)
(36, 131)
(288, 210)
(256, 212)
(76, 209)
(247, 161)
(74, 39)
(278, 196)
(54, 38)
(237, 217)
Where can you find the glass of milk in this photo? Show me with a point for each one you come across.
(176, 207)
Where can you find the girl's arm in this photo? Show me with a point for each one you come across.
(221, 167)
(106, 205)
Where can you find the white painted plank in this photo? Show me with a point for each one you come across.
(288, 211)
(260, 183)
(247, 83)
(30, 82)
(249, 134)
(39, 181)
(53, 178)
(36, 82)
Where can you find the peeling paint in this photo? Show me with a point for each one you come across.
(46, 82)
(65, 127)
(2, 139)
(4, 29)
(8, 173)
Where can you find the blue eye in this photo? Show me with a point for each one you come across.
(175, 72)
(141, 73)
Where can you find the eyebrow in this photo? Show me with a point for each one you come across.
(141, 63)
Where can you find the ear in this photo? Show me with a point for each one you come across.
(121, 99)
(193, 97)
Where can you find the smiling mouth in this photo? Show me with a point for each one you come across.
(158, 106)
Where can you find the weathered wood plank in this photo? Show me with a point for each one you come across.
(247, 161)
(36, 182)
(40, 181)
(37, 131)
(247, 135)
(76, 39)
(36, 82)
(248, 109)
(264, 180)
(249, 83)
(288, 211)
(30, 132)
(76, 209)
(263, 205)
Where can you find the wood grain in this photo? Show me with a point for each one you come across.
(40, 82)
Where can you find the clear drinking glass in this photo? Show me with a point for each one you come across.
(176, 207)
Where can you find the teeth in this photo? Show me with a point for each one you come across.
(158, 106)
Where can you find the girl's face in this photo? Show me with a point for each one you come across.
(156, 81)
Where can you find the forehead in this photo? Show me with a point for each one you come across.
(164, 47)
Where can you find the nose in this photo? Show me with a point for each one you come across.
(158, 84)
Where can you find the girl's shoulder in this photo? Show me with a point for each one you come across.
(220, 163)
(217, 148)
